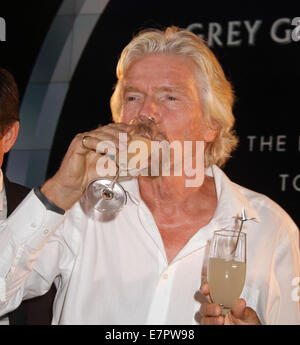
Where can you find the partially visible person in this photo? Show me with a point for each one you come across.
(37, 310)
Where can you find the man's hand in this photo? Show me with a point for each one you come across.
(240, 314)
(78, 167)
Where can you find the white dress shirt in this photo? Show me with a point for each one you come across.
(3, 203)
(3, 214)
(115, 271)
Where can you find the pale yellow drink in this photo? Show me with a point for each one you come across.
(226, 280)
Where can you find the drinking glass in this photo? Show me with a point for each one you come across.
(106, 194)
(143, 131)
(227, 267)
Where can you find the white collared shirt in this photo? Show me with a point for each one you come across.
(115, 271)
(3, 206)
(3, 214)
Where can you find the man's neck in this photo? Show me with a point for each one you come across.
(179, 211)
(170, 194)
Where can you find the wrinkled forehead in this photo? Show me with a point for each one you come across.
(161, 72)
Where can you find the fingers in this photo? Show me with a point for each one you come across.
(206, 291)
(110, 134)
(218, 320)
(114, 129)
(210, 314)
(240, 314)
(123, 127)
(98, 143)
(205, 288)
(89, 142)
(210, 309)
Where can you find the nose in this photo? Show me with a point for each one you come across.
(142, 119)
(149, 109)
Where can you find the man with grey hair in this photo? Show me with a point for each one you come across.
(146, 264)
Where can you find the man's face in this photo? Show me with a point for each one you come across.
(164, 87)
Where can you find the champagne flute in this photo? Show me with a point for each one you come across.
(106, 194)
(227, 267)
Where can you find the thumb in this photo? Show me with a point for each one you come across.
(240, 314)
(239, 308)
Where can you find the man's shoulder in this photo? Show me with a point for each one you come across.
(266, 207)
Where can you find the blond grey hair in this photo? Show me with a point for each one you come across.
(214, 89)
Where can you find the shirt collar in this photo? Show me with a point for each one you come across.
(231, 199)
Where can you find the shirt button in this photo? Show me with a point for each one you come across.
(46, 232)
(165, 276)
(33, 225)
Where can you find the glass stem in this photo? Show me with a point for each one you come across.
(112, 184)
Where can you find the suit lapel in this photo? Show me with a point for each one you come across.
(15, 193)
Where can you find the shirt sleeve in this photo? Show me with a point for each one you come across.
(283, 305)
(22, 238)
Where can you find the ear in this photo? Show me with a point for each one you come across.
(10, 136)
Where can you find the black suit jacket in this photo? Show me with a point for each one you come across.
(38, 310)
